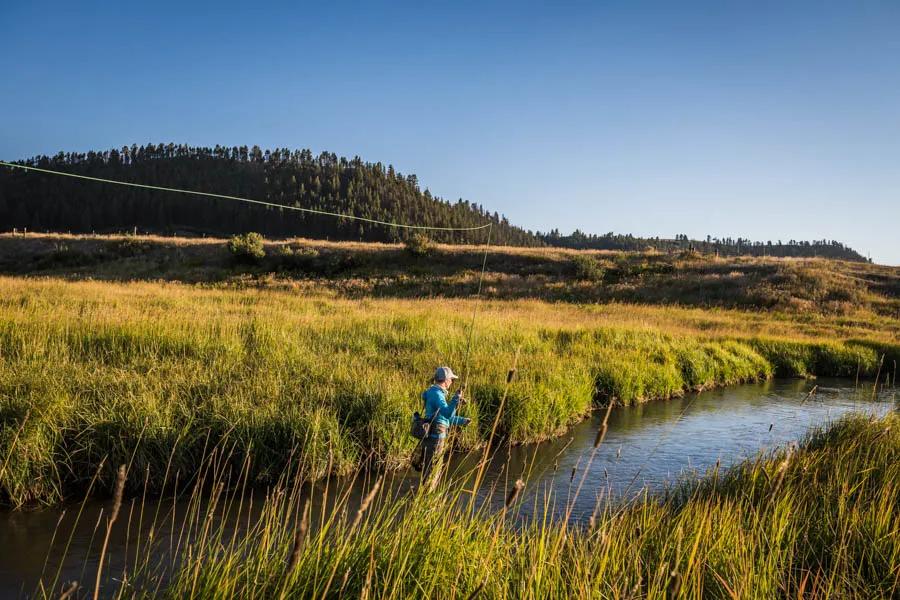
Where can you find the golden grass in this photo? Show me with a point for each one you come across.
(798, 286)
(818, 521)
(109, 371)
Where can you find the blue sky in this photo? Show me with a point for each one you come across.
(763, 120)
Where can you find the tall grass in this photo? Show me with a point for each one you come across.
(821, 520)
(153, 375)
(808, 286)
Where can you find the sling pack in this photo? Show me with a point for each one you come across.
(419, 426)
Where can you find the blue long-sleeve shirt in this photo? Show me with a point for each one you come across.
(435, 399)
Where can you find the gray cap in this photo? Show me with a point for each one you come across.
(444, 373)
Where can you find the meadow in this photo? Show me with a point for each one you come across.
(152, 374)
(815, 521)
(800, 286)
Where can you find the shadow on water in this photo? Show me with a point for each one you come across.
(647, 447)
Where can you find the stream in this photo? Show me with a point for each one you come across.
(648, 446)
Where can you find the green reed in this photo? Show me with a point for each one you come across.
(821, 520)
(154, 374)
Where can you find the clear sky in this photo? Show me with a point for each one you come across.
(767, 120)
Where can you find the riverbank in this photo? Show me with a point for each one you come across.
(155, 374)
(818, 520)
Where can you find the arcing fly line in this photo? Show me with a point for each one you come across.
(240, 199)
(488, 226)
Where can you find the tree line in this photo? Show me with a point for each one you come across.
(285, 177)
(42, 202)
(711, 245)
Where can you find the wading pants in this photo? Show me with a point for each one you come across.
(432, 449)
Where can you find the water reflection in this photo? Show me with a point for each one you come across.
(646, 447)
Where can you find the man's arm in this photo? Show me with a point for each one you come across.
(448, 409)
(454, 419)
(462, 421)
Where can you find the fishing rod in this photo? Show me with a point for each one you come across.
(488, 226)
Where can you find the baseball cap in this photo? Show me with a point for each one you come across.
(444, 373)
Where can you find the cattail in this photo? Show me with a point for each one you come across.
(771, 425)
(69, 591)
(117, 495)
(877, 376)
(344, 582)
(883, 432)
(592, 522)
(604, 427)
(510, 375)
(364, 595)
(299, 537)
(117, 504)
(674, 587)
(514, 492)
(364, 506)
(572, 476)
(811, 392)
(782, 468)
(476, 593)
(601, 433)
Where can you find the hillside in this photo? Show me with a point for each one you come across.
(814, 286)
(43, 202)
(292, 178)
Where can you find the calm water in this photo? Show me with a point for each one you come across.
(646, 446)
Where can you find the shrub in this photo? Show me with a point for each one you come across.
(297, 259)
(418, 244)
(247, 247)
(130, 246)
(64, 255)
(588, 268)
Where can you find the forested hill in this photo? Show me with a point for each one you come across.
(325, 182)
(711, 245)
(42, 202)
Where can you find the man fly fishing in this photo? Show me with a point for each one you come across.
(440, 415)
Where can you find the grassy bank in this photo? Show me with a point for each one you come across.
(155, 374)
(820, 521)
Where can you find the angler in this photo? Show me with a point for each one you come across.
(439, 416)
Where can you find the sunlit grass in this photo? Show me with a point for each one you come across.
(821, 520)
(155, 373)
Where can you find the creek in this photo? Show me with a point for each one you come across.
(647, 447)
